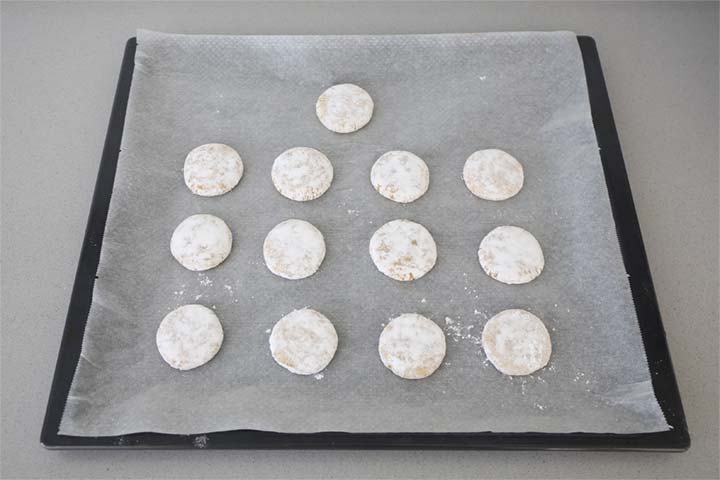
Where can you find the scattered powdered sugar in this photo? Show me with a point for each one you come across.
(204, 280)
(457, 331)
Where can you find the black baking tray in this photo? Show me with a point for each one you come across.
(636, 265)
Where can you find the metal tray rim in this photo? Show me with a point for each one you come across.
(636, 264)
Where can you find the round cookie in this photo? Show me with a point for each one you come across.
(412, 346)
(212, 169)
(201, 242)
(511, 255)
(302, 174)
(400, 176)
(403, 250)
(303, 341)
(189, 336)
(344, 108)
(516, 342)
(294, 249)
(493, 174)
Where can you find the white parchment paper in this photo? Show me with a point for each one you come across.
(439, 96)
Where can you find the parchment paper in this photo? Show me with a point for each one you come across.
(439, 96)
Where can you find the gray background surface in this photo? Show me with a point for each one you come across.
(59, 68)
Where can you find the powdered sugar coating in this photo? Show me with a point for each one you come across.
(493, 174)
(516, 342)
(294, 249)
(212, 169)
(400, 176)
(201, 242)
(344, 108)
(511, 255)
(302, 174)
(304, 341)
(412, 346)
(189, 336)
(403, 250)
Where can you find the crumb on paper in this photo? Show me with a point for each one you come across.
(200, 441)
(423, 300)
(198, 297)
(319, 376)
(268, 330)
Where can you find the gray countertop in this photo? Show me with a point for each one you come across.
(59, 68)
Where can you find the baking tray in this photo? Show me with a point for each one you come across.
(636, 265)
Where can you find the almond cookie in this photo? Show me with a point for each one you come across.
(412, 346)
(516, 342)
(303, 341)
(212, 169)
(344, 108)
